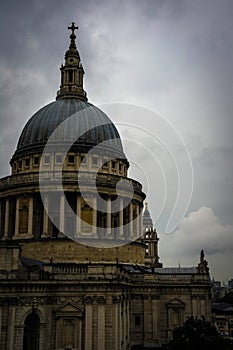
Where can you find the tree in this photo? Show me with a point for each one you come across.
(197, 334)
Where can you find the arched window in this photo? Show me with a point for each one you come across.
(70, 72)
(31, 335)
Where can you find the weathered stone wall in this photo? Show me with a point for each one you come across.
(61, 251)
(9, 257)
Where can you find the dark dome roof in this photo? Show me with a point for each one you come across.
(43, 123)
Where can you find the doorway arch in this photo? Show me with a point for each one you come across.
(31, 336)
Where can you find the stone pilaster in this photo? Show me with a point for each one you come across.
(11, 328)
(101, 327)
(88, 327)
(116, 330)
(6, 224)
(128, 322)
(155, 319)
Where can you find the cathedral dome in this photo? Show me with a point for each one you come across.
(91, 126)
(88, 127)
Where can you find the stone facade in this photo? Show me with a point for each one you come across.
(76, 273)
(96, 305)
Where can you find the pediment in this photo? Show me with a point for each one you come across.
(69, 308)
(175, 303)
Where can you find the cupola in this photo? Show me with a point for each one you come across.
(72, 72)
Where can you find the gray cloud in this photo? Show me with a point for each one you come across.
(175, 57)
(201, 228)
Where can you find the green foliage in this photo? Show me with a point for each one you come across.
(197, 334)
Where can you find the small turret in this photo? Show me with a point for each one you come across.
(150, 239)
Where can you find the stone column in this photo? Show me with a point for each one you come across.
(109, 216)
(78, 217)
(137, 233)
(45, 216)
(30, 218)
(88, 327)
(17, 217)
(6, 223)
(121, 219)
(131, 220)
(11, 328)
(62, 216)
(94, 216)
(101, 327)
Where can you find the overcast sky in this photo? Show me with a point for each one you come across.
(174, 57)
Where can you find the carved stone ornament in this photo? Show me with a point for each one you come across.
(88, 300)
(101, 300)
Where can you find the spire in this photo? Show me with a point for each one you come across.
(147, 221)
(72, 72)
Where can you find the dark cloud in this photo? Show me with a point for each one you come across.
(175, 57)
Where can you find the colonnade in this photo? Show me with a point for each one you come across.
(27, 217)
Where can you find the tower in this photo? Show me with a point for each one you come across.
(150, 239)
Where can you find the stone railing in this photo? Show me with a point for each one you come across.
(158, 278)
(14, 180)
(69, 269)
(83, 178)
